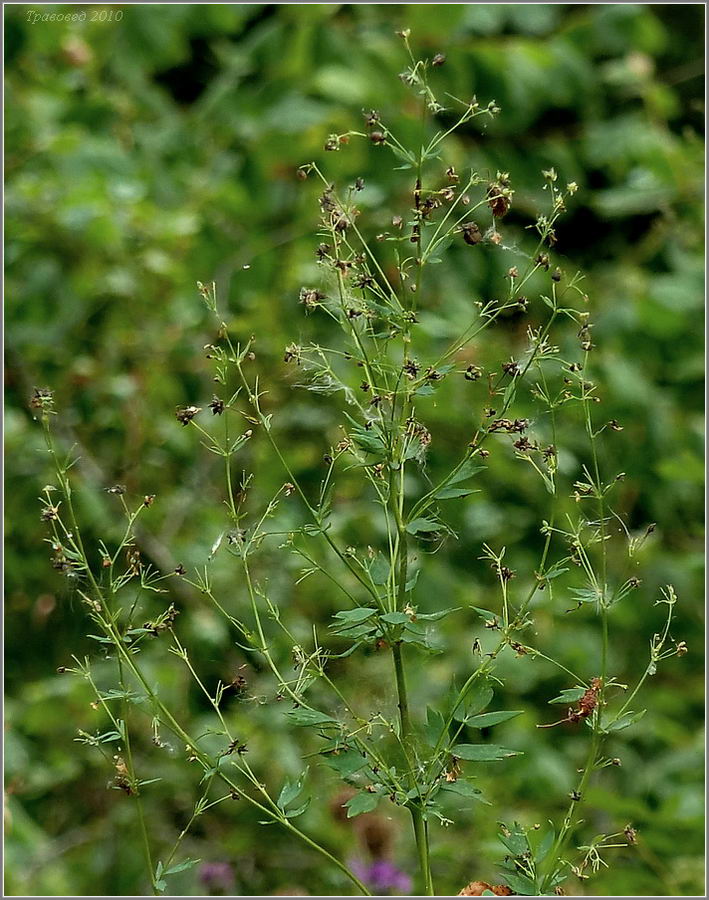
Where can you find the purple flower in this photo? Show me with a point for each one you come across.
(382, 876)
(217, 877)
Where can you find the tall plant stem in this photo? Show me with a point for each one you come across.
(420, 830)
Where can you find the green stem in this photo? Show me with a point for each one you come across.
(420, 830)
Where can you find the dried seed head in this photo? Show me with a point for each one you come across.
(438, 60)
(42, 398)
(471, 233)
(411, 368)
(310, 297)
(217, 406)
(185, 414)
(378, 138)
(473, 373)
(543, 261)
(292, 353)
(451, 174)
(499, 195)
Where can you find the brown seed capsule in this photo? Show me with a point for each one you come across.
(377, 137)
(471, 233)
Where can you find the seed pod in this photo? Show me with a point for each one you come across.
(471, 233)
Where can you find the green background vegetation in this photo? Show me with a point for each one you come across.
(146, 154)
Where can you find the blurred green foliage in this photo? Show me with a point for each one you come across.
(144, 154)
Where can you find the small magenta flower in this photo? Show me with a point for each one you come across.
(217, 877)
(382, 876)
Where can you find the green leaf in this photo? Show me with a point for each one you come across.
(469, 468)
(482, 752)
(379, 570)
(516, 841)
(545, 846)
(411, 583)
(345, 762)
(435, 724)
(626, 720)
(181, 867)
(450, 493)
(307, 717)
(477, 699)
(463, 789)
(493, 718)
(294, 813)
(434, 617)
(291, 790)
(571, 695)
(485, 613)
(425, 526)
(353, 616)
(395, 618)
(363, 802)
(520, 884)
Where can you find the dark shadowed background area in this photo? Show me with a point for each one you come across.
(147, 153)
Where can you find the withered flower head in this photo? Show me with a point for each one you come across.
(543, 261)
(292, 353)
(185, 414)
(411, 368)
(217, 406)
(499, 195)
(42, 398)
(473, 373)
(471, 233)
(310, 297)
